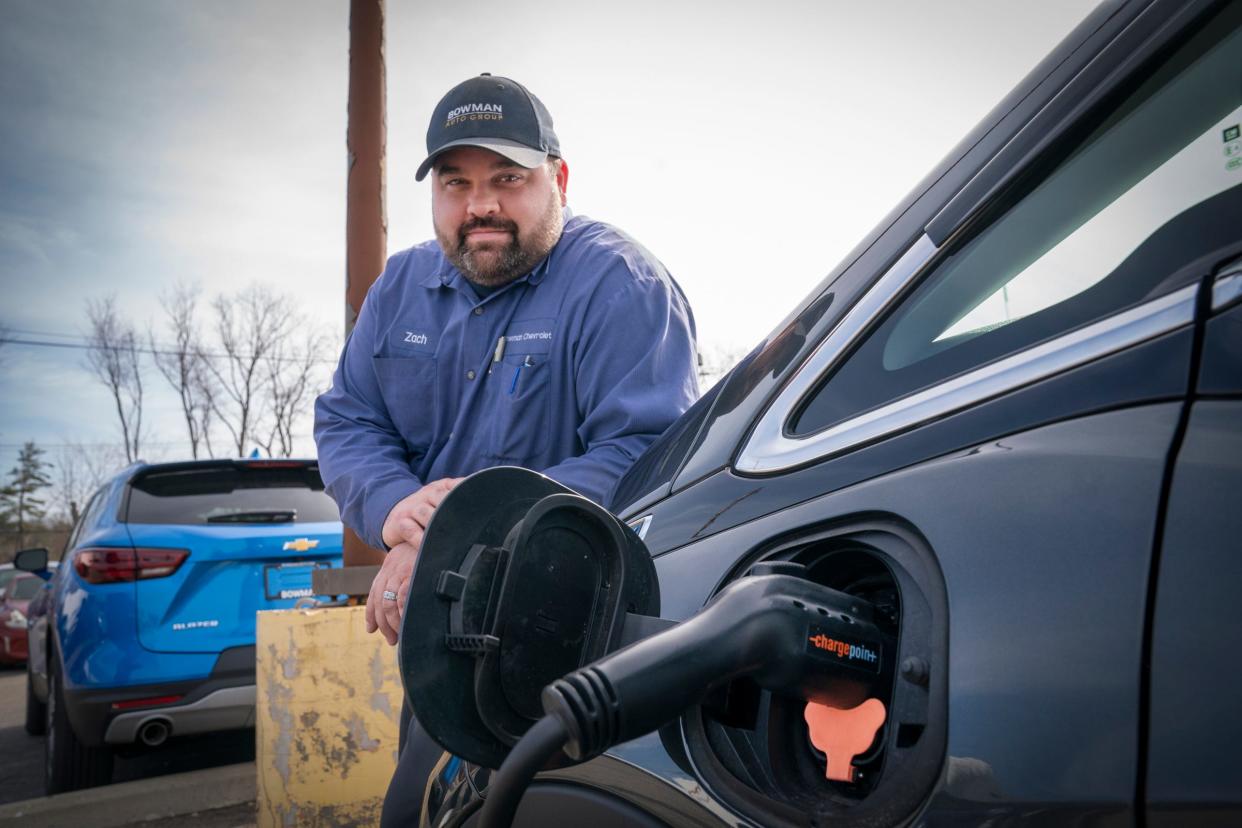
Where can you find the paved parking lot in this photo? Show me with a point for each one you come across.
(21, 761)
(21, 755)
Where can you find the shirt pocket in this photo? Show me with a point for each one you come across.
(408, 385)
(518, 426)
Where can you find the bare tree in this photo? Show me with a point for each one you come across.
(80, 470)
(292, 368)
(184, 364)
(113, 358)
(250, 326)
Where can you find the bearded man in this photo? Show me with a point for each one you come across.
(522, 336)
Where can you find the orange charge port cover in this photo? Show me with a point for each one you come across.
(843, 734)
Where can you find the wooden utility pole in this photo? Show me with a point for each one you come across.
(366, 215)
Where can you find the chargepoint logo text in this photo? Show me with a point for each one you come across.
(844, 649)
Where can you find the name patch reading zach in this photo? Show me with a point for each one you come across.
(412, 340)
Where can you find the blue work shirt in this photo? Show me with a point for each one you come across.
(572, 370)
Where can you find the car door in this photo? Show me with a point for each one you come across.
(982, 445)
(1193, 778)
(43, 610)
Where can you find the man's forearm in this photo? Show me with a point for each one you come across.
(365, 470)
(365, 501)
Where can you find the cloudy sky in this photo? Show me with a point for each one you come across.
(749, 145)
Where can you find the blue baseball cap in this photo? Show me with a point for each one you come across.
(494, 113)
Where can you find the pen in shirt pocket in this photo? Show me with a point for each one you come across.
(526, 363)
(498, 354)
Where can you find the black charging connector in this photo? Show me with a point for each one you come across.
(787, 634)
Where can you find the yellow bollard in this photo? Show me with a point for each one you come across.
(327, 717)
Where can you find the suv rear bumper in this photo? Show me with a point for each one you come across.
(222, 700)
(229, 708)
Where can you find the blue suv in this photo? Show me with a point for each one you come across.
(147, 629)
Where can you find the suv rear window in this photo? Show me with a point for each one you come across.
(228, 495)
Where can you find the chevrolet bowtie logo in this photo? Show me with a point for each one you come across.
(300, 545)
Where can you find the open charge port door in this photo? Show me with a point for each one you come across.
(844, 629)
(755, 748)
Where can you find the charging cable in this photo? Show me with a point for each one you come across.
(787, 634)
(528, 756)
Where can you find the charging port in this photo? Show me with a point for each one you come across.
(755, 747)
(812, 684)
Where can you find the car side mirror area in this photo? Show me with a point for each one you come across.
(34, 561)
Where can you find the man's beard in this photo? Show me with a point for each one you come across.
(492, 266)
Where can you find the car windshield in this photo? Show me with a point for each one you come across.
(231, 495)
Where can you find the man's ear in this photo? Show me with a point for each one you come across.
(562, 179)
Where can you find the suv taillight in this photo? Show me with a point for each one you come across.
(109, 565)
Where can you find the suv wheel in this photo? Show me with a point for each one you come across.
(36, 711)
(69, 764)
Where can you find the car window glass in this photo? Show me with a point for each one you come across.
(1097, 247)
(1155, 185)
(89, 514)
(23, 589)
(228, 496)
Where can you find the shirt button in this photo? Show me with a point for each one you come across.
(478, 311)
(470, 375)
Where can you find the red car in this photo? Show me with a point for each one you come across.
(14, 599)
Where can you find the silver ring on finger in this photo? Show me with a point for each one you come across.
(389, 595)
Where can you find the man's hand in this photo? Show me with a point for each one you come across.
(407, 521)
(403, 532)
(385, 614)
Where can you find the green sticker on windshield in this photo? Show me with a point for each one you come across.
(1233, 133)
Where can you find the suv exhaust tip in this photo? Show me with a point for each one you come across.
(154, 732)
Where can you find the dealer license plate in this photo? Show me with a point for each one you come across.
(289, 580)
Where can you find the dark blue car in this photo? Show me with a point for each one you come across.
(1002, 440)
(147, 628)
